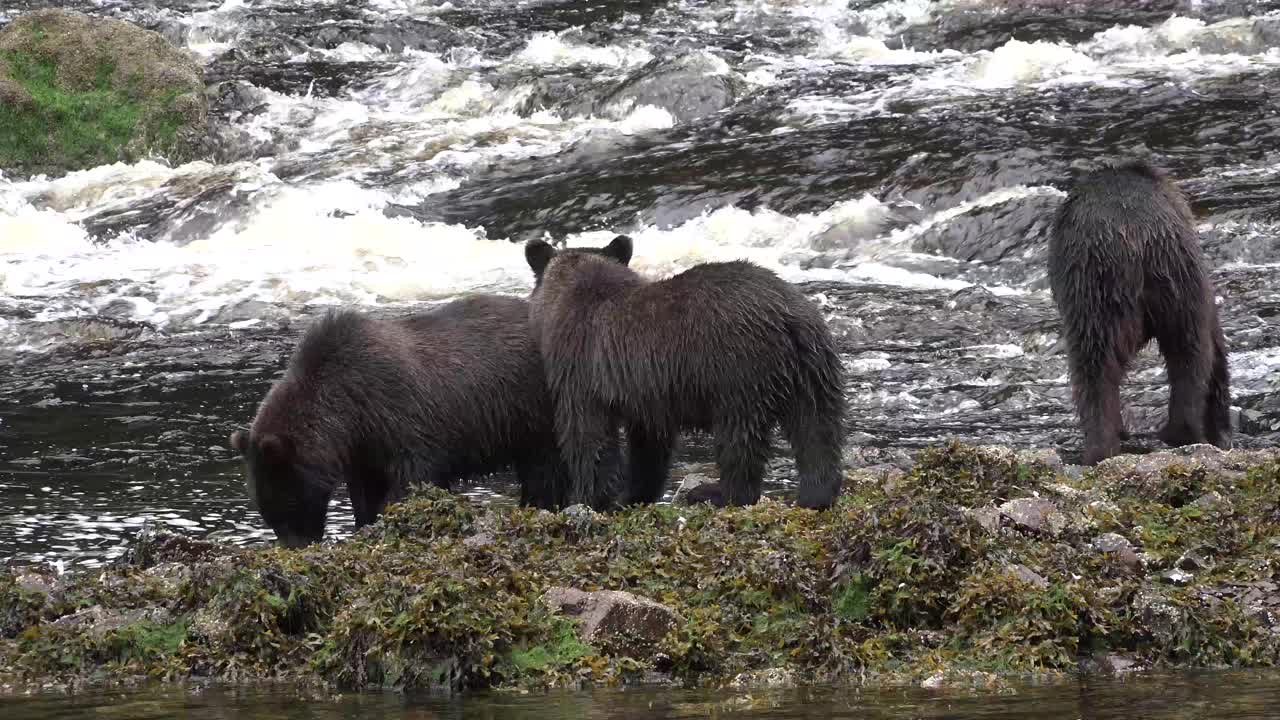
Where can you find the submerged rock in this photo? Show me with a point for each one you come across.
(85, 91)
(611, 618)
(688, 86)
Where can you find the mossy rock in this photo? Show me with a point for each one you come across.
(77, 92)
(896, 584)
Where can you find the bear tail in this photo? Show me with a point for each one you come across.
(1217, 410)
(815, 424)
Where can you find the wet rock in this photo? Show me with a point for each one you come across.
(1109, 663)
(1119, 547)
(1027, 575)
(1147, 475)
(986, 517)
(934, 681)
(773, 678)
(612, 618)
(886, 476)
(103, 66)
(850, 233)
(156, 544)
(695, 488)
(235, 99)
(97, 621)
(974, 297)
(1012, 234)
(1034, 515)
(1176, 576)
(1212, 501)
(1192, 561)
(688, 86)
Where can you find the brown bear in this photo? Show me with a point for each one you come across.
(1125, 266)
(378, 404)
(727, 347)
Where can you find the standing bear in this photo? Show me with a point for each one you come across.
(725, 347)
(380, 404)
(1125, 266)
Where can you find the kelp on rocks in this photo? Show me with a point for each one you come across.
(977, 563)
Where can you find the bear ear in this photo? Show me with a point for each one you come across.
(239, 441)
(538, 253)
(619, 249)
(276, 449)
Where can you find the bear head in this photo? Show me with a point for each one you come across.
(540, 253)
(291, 495)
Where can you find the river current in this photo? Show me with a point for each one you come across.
(901, 160)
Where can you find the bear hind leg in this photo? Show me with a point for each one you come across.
(1098, 362)
(584, 435)
(1217, 411)
(742, 449)
(815, 439)
(649, 453)
(1188, 359)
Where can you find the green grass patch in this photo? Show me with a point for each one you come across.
(61, 128)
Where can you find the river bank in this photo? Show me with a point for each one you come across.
(973, 566)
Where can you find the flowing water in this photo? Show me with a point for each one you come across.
(900, 159)
(1222, 696)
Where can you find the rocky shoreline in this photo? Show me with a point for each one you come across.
(976, 565)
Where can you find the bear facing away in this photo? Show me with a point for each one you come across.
(1125, 266)
(725, 347)
(379, 404)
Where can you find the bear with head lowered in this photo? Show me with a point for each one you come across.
(378, 405)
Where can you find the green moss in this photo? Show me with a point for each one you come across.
(79, 128)
(894, 585)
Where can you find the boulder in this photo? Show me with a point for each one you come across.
(159, 546)
(689, 86)
(696, 488)
(78, 92)
(1034, 515)
(612, 618)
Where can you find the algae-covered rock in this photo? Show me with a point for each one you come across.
(927, 579)
(76, 92)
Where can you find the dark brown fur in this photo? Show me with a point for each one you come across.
(1125, 267)
(379, 404)
(728, 348)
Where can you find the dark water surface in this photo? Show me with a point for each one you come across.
(1224, 696)
(899, 159)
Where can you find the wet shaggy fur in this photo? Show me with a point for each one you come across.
(1125, 267)
(729, 348)
(379, 404)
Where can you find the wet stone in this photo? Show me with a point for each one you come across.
(1027, 575)
(986, 517)
(613, 618)
(97, 621)
(694, 488)
(1034, 515)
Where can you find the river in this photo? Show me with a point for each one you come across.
(1224, 696)
(899, 159)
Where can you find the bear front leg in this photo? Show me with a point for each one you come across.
(544, 479)
(649, 454)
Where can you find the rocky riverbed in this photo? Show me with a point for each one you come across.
(969, 566)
